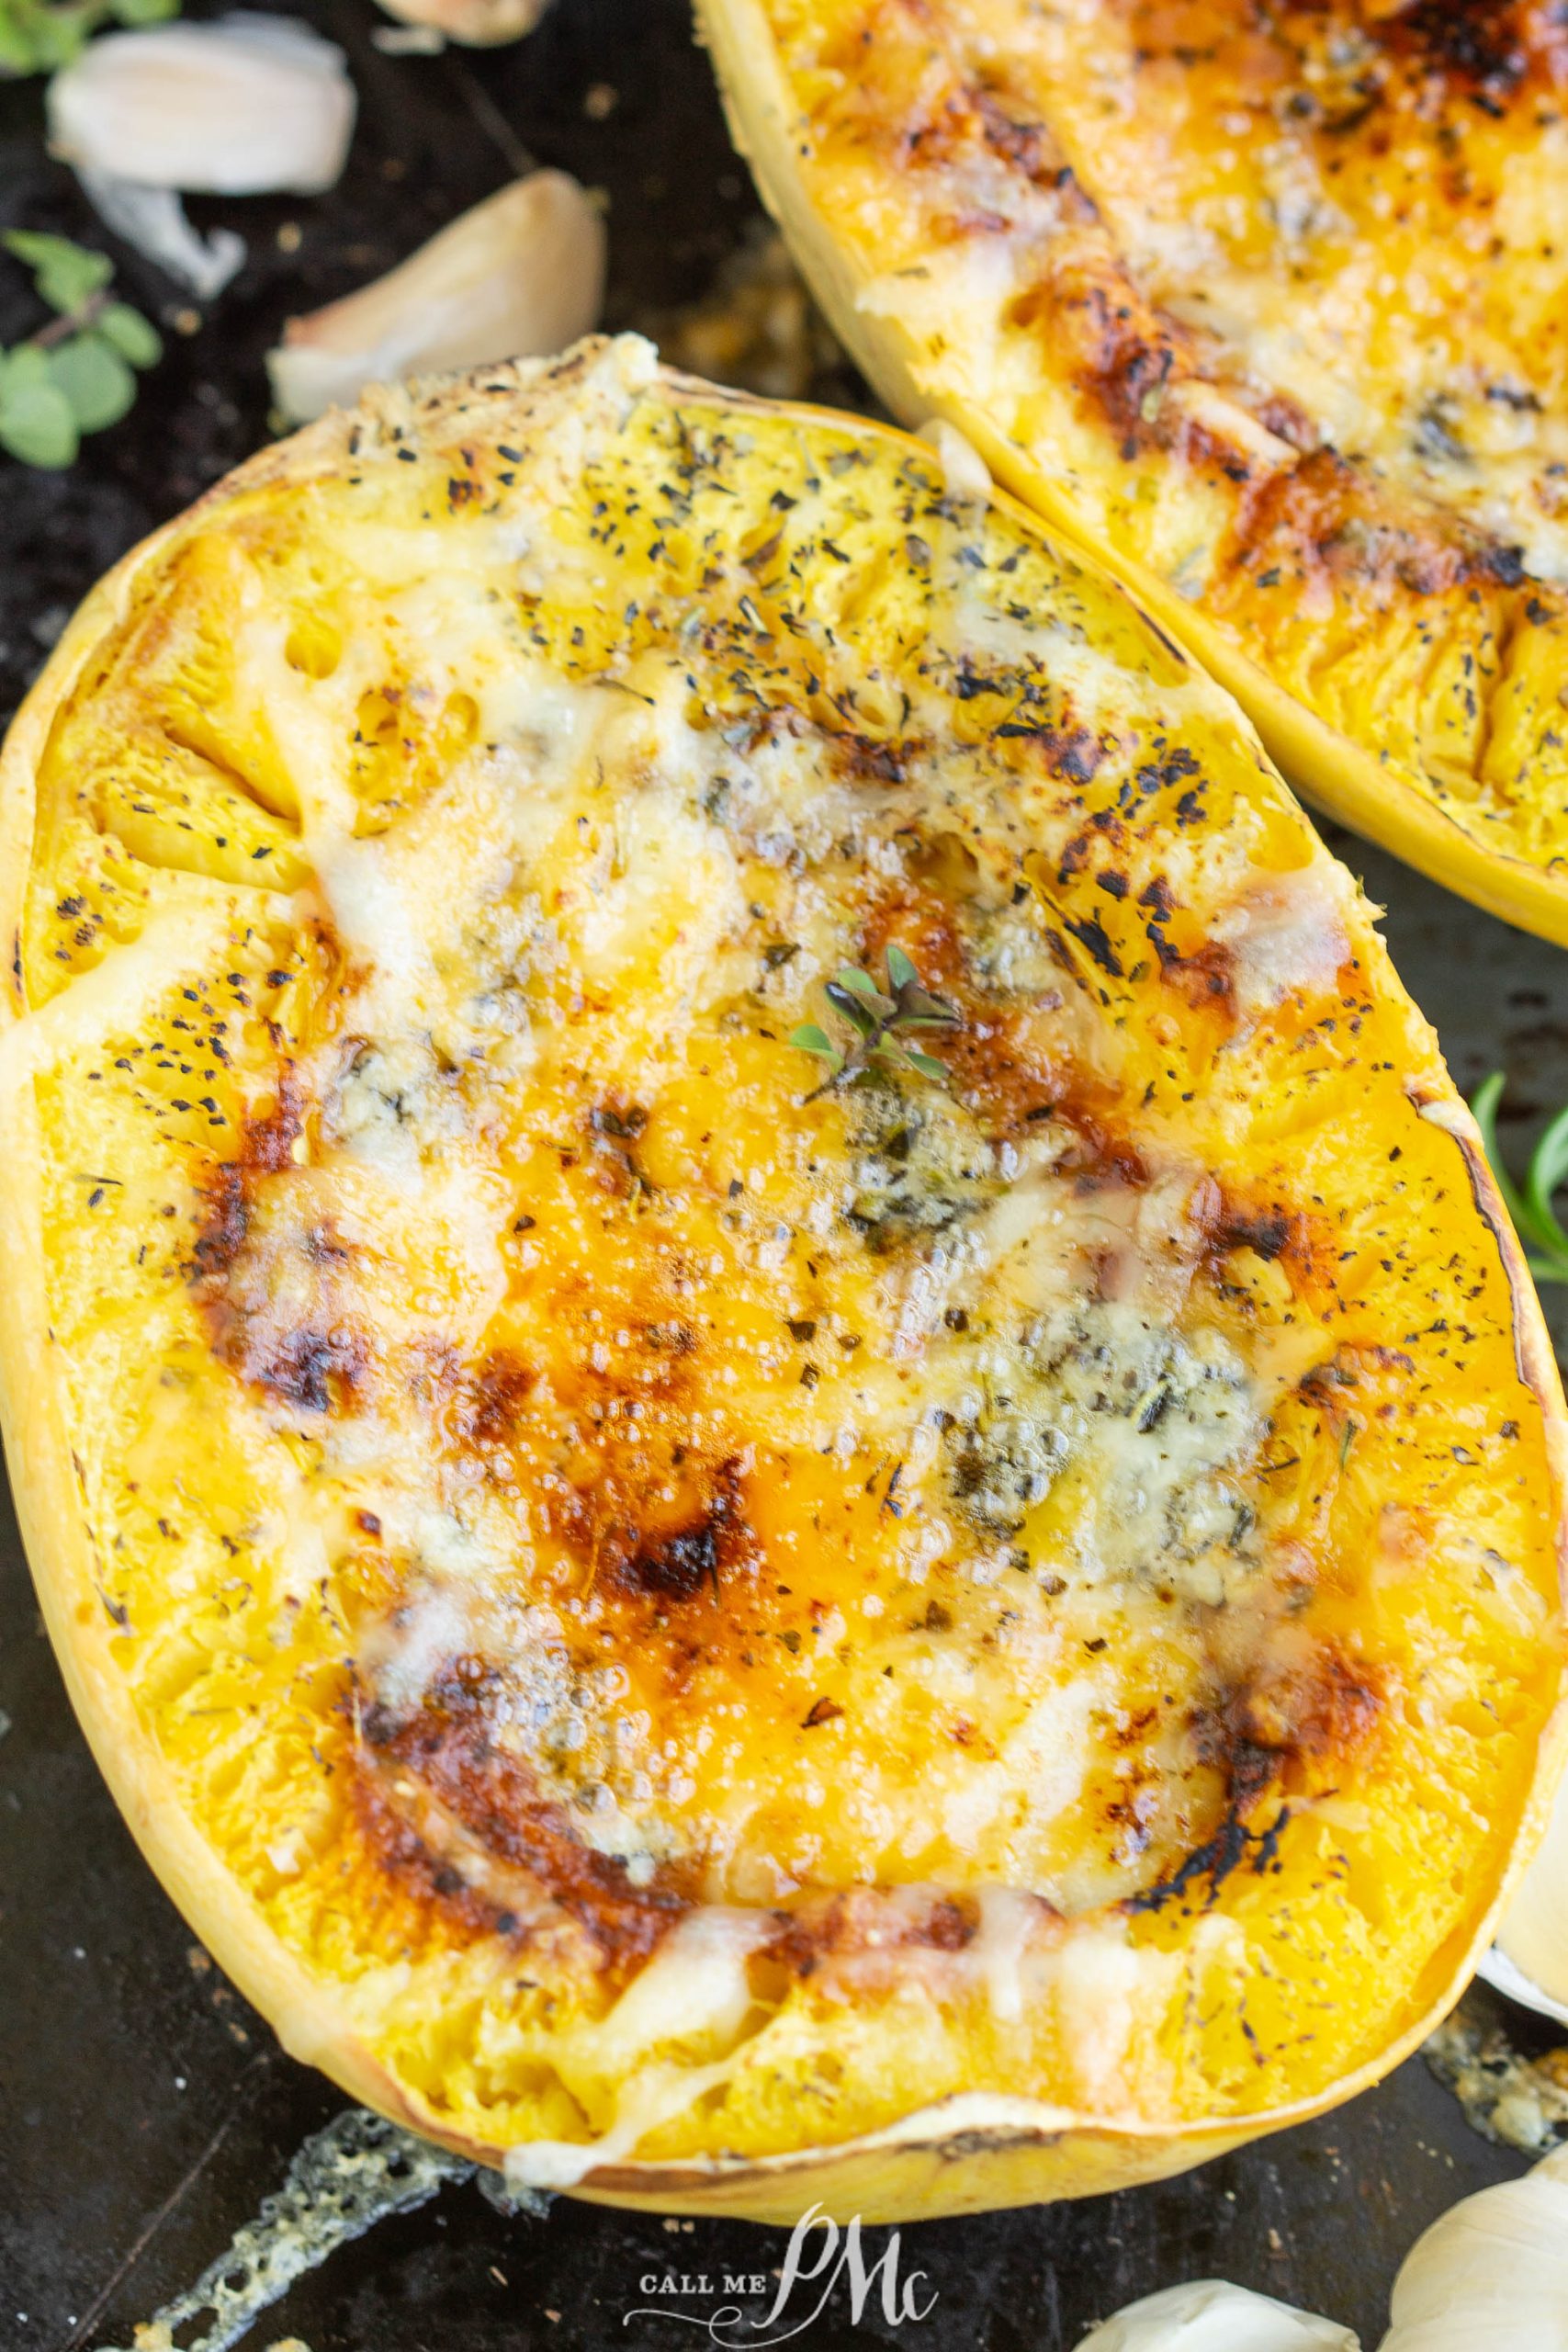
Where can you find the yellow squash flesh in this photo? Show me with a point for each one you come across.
(1268, 309)
(726, 1634)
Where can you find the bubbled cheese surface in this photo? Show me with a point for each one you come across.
(711, 1602)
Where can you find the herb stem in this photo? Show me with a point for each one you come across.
(59, 330)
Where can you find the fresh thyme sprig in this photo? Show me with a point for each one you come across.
(1546, 1243)
(882, 1019)
(76, 373)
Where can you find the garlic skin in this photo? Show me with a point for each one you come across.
(520, 276)
(1533, 1936)
(1491, 2275)
(1211, 2315)
(153, 220)
(248, 106)
(477, 24)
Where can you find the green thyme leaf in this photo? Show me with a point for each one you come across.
(24, 367)
(856, 1012)
(134, 338)
(67, 275)
(37, 426)
(813, 1040)
(95, 379)
(879, 1019)
(15, 49)
(36, 38)
(865, 987)
(74, 375)
(918, 1009)
(40, 36)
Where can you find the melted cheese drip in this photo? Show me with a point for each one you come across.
(694, 1989)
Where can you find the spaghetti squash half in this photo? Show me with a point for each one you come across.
(773, 1413)
(1269, 307)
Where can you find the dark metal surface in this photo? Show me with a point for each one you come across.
(144, 2112)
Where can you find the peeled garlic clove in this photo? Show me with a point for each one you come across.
(248, 106)
(1491, 2275)
(1533, 1936)
(520, 276)
(1211, 2315)
(478, 24)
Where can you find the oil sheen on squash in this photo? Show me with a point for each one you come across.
(708, 1604)
(1269, 303)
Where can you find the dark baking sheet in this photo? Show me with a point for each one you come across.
(144, 2111)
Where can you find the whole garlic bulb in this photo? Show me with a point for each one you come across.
(1211, 2315)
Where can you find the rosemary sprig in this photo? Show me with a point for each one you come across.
(1546, 1243)
(882, 1019)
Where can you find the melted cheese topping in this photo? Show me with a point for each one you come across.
(1272, 301)
(754, 1367)
(640, 1538)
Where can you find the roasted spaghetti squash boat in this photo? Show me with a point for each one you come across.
(728, 1585)
(1267, 306)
